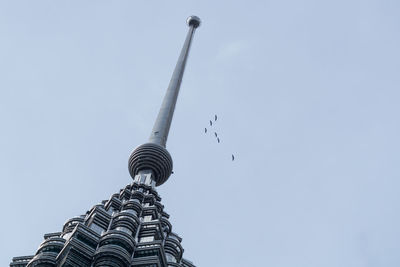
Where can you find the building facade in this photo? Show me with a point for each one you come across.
(131, 228)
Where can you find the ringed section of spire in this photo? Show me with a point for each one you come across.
(129, 229)
(153, 156)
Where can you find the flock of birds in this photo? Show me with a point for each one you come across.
(215, 133)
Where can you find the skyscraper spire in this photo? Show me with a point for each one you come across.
(159, 134)
(153, 156)
(131, 228)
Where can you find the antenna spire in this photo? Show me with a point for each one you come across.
(159, 134)
(153, 157)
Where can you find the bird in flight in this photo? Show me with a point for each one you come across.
(215, 117)
(215, 134)
(205, 130)
(218, 139)
(233, 157)
(210, 123)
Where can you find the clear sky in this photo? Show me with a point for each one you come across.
(307, 94)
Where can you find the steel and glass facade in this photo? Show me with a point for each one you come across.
(131, 228)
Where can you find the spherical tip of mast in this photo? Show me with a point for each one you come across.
(193, 21)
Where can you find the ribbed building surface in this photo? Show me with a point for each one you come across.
(129, 229)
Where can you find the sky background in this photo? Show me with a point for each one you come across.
(307, 94)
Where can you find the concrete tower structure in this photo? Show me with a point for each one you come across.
(131, 228)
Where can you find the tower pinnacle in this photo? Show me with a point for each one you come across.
(131, 228)
(153, 156)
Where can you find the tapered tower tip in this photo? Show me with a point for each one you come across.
(153, 157)
(193, 21)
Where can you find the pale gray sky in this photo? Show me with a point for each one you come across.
(307, 94)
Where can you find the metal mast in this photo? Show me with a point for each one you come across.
(153, 157)
(159, 134)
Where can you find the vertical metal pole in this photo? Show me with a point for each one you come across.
(159, 134)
